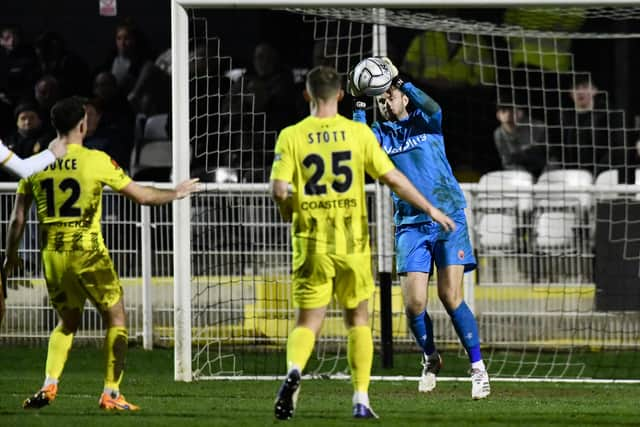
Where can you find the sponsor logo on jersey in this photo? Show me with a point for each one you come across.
(329, 204)
(409, 144)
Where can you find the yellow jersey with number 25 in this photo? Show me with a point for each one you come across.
(325, 160)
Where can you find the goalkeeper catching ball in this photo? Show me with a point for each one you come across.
(414, 142)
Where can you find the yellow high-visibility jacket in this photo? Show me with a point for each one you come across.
(468, 61)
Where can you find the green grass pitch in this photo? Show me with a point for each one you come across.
(149, 383)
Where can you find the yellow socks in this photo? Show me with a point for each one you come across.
(360, 357)
(299, 347)
(59, 346)
(115, 350)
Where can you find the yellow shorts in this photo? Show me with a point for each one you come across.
(74, 276)
(348, 277)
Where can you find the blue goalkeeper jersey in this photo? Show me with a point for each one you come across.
(416, 147)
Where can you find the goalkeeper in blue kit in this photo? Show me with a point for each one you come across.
(414, 142)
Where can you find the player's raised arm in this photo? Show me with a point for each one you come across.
(147, 195)
(359, 103)
(27, 167)
(406, 191)
(420, 99)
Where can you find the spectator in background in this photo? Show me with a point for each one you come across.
(105, 86)
(104, 135)
(30, 137)
(151, 93)
(271, 84)
(130, 55)
(116, 113)
(325, 52)
(592, 135)
(520, 140)
(17, 75)
(47, 92)
(53, 58)
(107, 137)
(17, 65)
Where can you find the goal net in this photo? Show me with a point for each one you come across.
(553, 209)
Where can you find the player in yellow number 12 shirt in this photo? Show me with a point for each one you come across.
(324, 157)
(77, 265)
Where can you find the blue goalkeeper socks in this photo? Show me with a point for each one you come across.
(467, 329)
(422, 329)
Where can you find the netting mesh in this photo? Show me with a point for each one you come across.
(546, 237)
(433, 21)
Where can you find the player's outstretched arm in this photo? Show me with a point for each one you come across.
(420, 99)
(358, 110)
(147, 195)
(406, 191)
(27, 167)
(359, 100)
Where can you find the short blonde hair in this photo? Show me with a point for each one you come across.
(323, 82)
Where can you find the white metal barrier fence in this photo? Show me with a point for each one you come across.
(534, 246)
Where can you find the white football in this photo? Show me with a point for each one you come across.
(372, 76)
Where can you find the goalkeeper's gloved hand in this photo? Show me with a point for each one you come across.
(351, 87)
(396, 81)
(392, 68)
(359, 103)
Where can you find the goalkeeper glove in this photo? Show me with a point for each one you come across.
(396, 81)
(392, 68)
(351, 87)
(359, 103)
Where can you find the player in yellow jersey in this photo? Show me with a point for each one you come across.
(324, 157)
(77, 265)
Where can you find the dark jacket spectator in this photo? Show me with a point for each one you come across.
(69, 69)
(128, 57)
(592, 134)
(520, 140)
(17, 65)
(105, 135)
(115, 114)
(30, 136)
(47, 92)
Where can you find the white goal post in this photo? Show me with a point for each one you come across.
(573, 313)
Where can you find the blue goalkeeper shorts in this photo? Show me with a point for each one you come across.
(418, 246)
